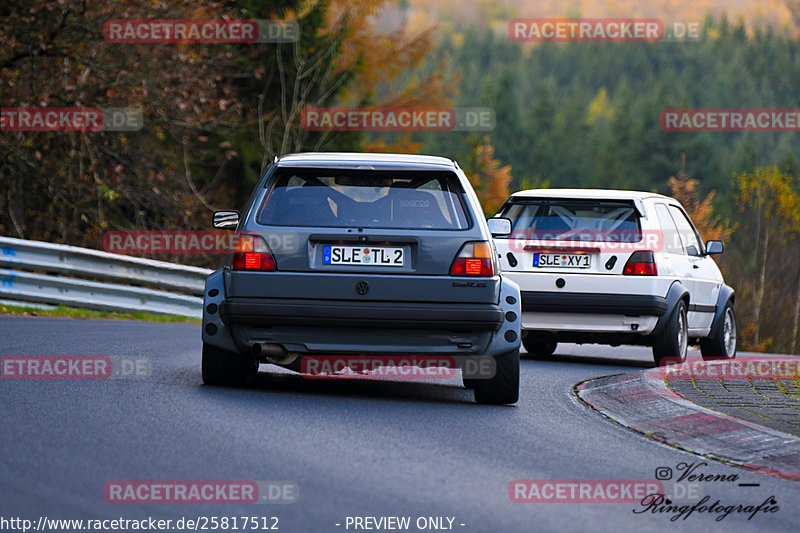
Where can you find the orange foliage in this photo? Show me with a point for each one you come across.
(386, 53)
(399, 145)
(489, 179)
(383, 47)
(700, 210)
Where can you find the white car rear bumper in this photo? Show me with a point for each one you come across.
(586, 322)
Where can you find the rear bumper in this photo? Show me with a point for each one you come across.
(593, 303)
(330, 326)
(362, 315)
(589, 323)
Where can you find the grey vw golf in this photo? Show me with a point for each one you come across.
(363, 254)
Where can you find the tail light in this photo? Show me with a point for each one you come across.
(474, 259)
(252, 253)
(641, 263)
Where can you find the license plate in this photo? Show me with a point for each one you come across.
(363, 255)
(562, 260)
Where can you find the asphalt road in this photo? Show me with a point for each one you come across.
(379, 448)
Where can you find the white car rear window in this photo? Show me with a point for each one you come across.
(574, 220)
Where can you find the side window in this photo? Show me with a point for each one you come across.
(689, 237)
(669, 233)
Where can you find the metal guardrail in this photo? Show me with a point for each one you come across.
(58, 261)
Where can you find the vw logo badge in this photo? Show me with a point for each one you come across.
(362, 288)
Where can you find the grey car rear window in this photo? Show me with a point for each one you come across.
(364, 199)
(574, 220)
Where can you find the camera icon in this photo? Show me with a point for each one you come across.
(663, 473)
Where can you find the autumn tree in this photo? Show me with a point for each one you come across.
(72, 186)
(355, 63)
(489, 179)
(699, 208)
(392, 51)
(769, 205)
(215, 114)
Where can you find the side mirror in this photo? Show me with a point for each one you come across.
(714, 247)
(499, 227)
(226, 220)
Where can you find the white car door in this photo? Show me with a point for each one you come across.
(705, 276)
(675, 261)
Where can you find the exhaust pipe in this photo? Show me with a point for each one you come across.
(275, 353)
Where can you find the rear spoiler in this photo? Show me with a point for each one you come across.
(637, 203)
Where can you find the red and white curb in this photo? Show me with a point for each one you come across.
(642, 401)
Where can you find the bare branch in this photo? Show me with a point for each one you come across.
(189, 178)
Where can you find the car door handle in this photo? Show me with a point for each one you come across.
(695, 266)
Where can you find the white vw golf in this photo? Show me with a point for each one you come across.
(615, 267)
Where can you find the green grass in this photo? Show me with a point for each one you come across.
(75, 312)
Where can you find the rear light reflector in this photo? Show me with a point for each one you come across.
(474, 259)
(474, 267)
(641, 263)
(252, 261)
(252, 253)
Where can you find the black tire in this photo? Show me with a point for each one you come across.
(470, 380)
(469, 383)
(721, 344)
(671, 345)
(503, 387)
(539, 344)
(229, 369)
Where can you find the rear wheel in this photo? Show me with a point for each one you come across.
(221, 367)
(721, 344)
(539, 344)
(503, 387)
(671, 344)
(469, 383)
